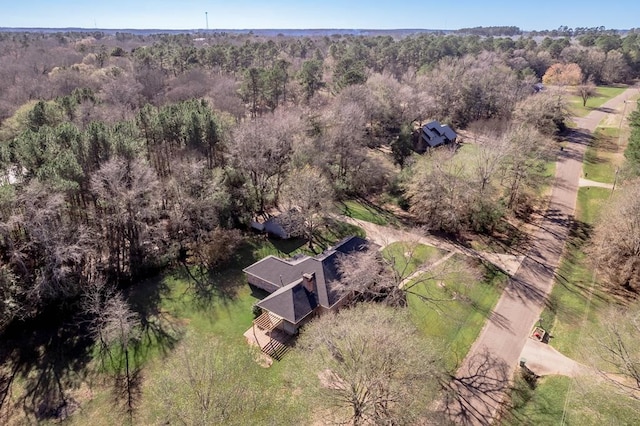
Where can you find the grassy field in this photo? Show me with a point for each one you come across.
(602, 156)
(225, 314)
(543, 405)
(604, 94)
(175, 306)
(407, 257)
(363, 210)
(450, 303)
(590, 402)
(453, 306)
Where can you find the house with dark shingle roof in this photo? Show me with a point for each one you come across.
(432, 135)
(300, 287)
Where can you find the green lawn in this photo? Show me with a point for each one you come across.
(543, 405)
(590, 403)
(221, 309)
(407, 257)
(363, 210)
(599, 159)
(453, 308)
(604, 94)
(450, 303)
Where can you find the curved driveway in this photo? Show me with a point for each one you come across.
(479, 387)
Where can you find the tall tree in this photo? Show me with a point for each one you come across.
(368, 366)
(209, 382)
(439, 193)
(587, 91)
(253, 89)
(117, 328)
(261, 150)
(616, 240)
(563, 75)
(308, 192)
(310, 77)
(127, 215)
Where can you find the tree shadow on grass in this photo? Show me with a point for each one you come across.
(159, 329)
(579, 236)
(222, 283)
(604, 109)
(544, 408)
(287, 246)
(49, 356)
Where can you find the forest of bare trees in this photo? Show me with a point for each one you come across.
(123, 152)
(124, 155)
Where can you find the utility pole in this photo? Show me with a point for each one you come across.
(624, 110)
(206, 17)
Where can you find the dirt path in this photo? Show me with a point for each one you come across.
(587, 182)
(426, 268)
(385, 235)
(484, 375)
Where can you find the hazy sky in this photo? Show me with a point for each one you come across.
(366, 14)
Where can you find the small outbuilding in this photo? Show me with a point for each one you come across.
(272, 226)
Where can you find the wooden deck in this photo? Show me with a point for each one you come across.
(265, 334)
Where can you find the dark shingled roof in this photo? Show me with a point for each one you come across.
(436, 134)
(286, 274)
(292, 302)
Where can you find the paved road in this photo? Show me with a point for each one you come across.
(478, 388)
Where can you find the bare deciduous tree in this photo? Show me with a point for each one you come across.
(616, 240)
(344, 151)
(391, 276)
(472, 88)
(208, 383)
(48, 253)
(117, 328)
(128, 214)
(371, 366)
(587, 91)
(546, 111)
(367, 277)
(261, 150)
(309, 192)
(523, 168)
(614, 351)
(439, 193)
(615, 68)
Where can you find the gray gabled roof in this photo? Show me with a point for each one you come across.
(292, 302)
(284, 273)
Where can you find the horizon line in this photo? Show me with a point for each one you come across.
(214, 30)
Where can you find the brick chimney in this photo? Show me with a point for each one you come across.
(309, 282)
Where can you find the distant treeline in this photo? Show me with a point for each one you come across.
(123, 154)
(491, 31)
